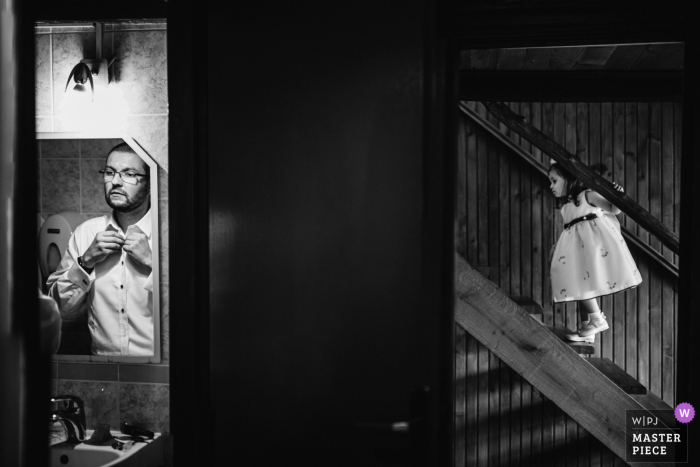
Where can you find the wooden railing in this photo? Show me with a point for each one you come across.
(530, 159)
(577, 168)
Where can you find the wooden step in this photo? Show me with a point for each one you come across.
(531, 306)
(528, 304)
(580, 348)
(618, 376)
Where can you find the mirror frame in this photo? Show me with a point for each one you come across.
(155, 247)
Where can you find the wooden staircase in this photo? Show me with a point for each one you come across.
(593, 391)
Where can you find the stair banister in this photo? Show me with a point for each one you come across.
(578, 169)
(537, 165)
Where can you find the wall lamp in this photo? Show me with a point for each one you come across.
(94, 70)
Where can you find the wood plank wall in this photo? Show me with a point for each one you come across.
(508, 222)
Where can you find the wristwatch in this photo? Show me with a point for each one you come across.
(85, 268)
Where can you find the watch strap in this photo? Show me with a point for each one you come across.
(85, 268)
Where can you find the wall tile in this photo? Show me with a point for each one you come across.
(43, 74)
(139, 26)
(162, 183)
(60, 185)
(60, 148)
(151, 133)
(97, 148)
(164, 238)
(88, 371)
(141, 70)
(43, 124)
(155, 374)
(91, 215)
(107, 44)
(165, 323)
(92, 186)
(145, 405)
(101, 400)
(84, 28)
(68, 50)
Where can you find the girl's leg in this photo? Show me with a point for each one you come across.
(596, 321)
(589, 307)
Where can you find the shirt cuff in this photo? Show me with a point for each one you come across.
(79, 277)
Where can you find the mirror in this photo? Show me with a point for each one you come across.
(109, 304)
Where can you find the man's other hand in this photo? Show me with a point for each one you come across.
(136, 245)
(104, 244)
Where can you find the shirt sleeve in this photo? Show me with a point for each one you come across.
(69, 284)
(149, 282)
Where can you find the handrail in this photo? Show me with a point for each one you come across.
(577, 168)
(530, 159)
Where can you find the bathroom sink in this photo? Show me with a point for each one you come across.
(87, 455)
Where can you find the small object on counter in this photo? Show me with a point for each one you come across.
(122, 445)
(101, 435)
(129, 429)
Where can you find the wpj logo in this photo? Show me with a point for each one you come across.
(657, 435)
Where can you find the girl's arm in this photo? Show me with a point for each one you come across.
(595, 199)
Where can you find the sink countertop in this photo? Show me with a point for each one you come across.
(149, 454)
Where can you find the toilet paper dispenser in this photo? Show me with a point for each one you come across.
(53, 239)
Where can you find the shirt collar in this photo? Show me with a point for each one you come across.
(144, 224)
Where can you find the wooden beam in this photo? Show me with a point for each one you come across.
(537, 165)
(80, 11)
(571, 86)
(591, 179)
(486, 24)
(540, 357)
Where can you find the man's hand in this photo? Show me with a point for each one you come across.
(104, 244)
(136, 245)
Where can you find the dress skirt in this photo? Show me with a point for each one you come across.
(591, 258)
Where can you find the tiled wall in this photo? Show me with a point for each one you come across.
(113, 393)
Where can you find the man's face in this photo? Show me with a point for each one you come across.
(121, 196)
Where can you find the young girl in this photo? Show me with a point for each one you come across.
(590, 259)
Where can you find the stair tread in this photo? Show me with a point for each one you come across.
(579, 347)
(651, 401)
(618, 376)
(528, 304)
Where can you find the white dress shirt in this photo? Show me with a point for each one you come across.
(118, 292)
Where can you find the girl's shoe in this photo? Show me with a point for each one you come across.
(594, 327)
(577, 337)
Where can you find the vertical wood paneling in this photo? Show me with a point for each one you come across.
(460, 406)
(510, 223)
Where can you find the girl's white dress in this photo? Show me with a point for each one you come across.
(591, 258)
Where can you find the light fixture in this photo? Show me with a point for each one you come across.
(96, 70)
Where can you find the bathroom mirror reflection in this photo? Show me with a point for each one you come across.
(98, 245)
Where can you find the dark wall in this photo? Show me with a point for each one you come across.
(314, 142)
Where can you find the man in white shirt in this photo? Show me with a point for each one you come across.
(107, 265)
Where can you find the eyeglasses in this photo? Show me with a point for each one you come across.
(127, 176)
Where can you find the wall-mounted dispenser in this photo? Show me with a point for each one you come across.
(53, 239)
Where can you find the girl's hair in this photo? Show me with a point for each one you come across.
(573, 185)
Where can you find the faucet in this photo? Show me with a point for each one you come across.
(71, 411)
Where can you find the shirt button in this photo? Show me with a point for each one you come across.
(122, 286)
(122, 310)
(122, 262)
